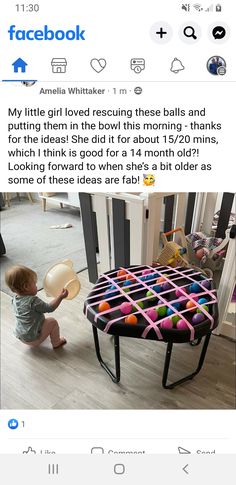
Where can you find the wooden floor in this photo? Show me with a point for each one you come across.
(71, 378)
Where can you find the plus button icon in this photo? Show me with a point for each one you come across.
(161, 33)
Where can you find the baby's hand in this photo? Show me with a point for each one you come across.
(64, 294)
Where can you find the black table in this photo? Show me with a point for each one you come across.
(170, 289)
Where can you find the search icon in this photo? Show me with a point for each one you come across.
(189, 31)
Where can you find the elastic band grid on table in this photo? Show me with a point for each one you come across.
(141, 285)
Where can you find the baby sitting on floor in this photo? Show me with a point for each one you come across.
(32, 328)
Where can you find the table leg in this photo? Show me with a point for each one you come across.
(195, 343)
(114, 377)
(188, 377)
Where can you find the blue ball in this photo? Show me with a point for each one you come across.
(169, 312)
(143, 278)
(149, 277)
(157, 288)
(202, 301)
(176, 305)
(110, 293)
(195, 288)
(127, 283)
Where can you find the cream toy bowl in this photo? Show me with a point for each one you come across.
(60, 276)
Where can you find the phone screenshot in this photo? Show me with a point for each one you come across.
(117, 242)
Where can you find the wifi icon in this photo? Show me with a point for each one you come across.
(198, 7)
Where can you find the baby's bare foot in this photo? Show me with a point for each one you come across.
(62, 342)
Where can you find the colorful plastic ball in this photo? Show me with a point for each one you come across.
(205, 308)
(103, 306)
(202, 301)
(169, 312)
(175, 319)
(181, 325)
(198, 318)
(150, 294)
(150, 277)
(126, 289)
(146, 271)
(194, 296)
(161, 311)
(152, 314)
(112, 291)
(126, 308)
(206, 284)
(190, 305)
(195, 288)
(129, 277)
(157, 288)
(179, 293)
(161, 279)
(121, 274)
(140, 304)
(131, 319)
(167, 324)
(142, 278)
(113, 287)
(127, 283)
(166, 286)
(183, 300)
(176, 305)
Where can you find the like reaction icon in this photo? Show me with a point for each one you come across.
(13, 424)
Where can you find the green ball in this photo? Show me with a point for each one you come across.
(141, 304)
(205, 308)
(161, 311)
(149, 293)
(175, 319)
(126, 290)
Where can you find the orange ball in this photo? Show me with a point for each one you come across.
(130, 278)
(121, 274)
(160, 280)
(191, 306)
(103, 306)
(131, 319)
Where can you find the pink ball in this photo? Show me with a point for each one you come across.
(179, 293)
(146, 271)
(126, 308)
(181, 325)
(167, 324)
(183, 300)
(152, 314)
(194, 296)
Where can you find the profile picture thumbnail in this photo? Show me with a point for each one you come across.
(216, 65)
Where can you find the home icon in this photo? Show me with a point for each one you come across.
(59, 65)
(19, 65)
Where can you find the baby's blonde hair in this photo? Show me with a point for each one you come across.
(18, 277)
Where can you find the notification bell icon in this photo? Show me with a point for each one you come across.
(176, 66)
